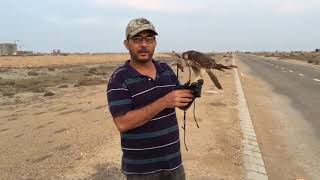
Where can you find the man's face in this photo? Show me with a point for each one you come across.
(141, 46)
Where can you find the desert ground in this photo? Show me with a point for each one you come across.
(55, 123)
(309, 57)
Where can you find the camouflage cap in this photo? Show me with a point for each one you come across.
(137, 25)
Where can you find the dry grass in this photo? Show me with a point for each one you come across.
(39, 79)
(47, 60)
(51, 61)
(38, 74)
(310, 57)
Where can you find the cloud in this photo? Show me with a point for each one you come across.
(86, 21)
(73, 21)
(213, 7)
(166, 6)
(289, 8)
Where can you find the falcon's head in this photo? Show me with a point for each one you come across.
(185, 56)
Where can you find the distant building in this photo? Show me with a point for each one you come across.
(24, 52)
(56, 52)
(8, 49)
(317, 50)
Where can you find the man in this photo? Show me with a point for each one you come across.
(142, 97)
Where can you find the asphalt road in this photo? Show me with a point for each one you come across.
(286, 114)
(300, 82)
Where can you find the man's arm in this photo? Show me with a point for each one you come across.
(139, 117)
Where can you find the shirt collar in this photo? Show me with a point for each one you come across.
(133, 72)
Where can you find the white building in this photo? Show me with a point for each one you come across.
(8, 49)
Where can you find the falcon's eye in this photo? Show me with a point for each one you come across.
(185, 56)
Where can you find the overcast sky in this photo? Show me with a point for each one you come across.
(204, 25)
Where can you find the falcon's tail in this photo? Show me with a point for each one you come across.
(214, 79)
(220, 67)
(232, 66)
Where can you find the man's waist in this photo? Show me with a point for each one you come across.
(151, 161)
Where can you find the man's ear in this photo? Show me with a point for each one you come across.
(126, 43)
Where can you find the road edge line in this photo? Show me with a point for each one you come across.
(252, 157)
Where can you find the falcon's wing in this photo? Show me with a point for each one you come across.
(196, 70)
(201, 59)
(206, 61)
(214, 79)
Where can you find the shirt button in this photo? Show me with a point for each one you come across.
(149, 79)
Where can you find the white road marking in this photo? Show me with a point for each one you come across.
(301, 74)
(317, 80)
(290, 71)
(283, 68)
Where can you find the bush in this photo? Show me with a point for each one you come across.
(8, 94)
(89, 82)
(7, 82)
(92, 71)
(48, 94)
(63, 86)
(36, 89)
(33, 73)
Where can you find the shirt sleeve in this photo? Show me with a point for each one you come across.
(119, 98)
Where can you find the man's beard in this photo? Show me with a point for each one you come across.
(135, 56)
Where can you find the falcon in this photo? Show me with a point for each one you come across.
(200, 63)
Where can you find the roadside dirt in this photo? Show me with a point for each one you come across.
(70, 133)
(305, 57)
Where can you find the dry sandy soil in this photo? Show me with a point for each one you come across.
(309, 57)
(55, 123)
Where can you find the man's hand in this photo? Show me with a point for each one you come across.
(177, 98)
(138, 117)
